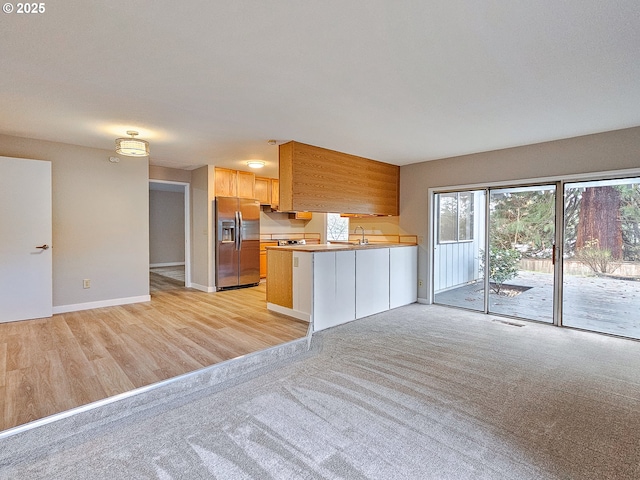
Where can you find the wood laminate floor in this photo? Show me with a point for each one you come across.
(51, 365)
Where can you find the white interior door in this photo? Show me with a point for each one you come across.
(25, 239)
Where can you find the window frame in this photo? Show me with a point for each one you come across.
(469, 218)
(344, 220)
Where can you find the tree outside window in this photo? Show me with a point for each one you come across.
(337, 227)
(455, 217)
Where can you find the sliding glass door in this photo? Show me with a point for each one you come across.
(458, 245)
(521, 249)
(495, 251)
(496, 258)
(601, 260)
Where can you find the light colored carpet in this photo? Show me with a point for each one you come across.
(420, 392)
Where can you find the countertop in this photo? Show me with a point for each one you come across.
(335, 247)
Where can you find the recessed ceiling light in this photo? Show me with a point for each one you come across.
(255, 164)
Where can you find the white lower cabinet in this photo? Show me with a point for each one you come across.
(302, 290)
(372, 281)
(334, 288)
(403, 276)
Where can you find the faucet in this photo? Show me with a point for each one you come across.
(364, 241)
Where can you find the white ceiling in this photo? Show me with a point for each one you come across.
(209, 82)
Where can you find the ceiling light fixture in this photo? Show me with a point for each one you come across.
(272, 142)
(132, 147)
(255, 164)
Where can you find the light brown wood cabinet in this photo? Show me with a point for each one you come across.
(246, 184)
(226, 182)
(263, 257)
(275, 194)
(263, 190)
(301, 215)
(234, 183)
(280, 283)
(316, 179)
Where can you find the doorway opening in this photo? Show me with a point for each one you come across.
(169, 234)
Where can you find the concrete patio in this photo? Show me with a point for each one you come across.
(600, 304)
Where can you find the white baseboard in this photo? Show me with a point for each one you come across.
(169, 264)
(202, 288)
(424, 301)
(289, 311)
(101, 303)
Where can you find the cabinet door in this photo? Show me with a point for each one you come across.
(263, 190)
(345, 296)
(303, 283)
(301, 215)
(280, 280)
(263, 257)
(334, 289)
(226, 182)
(246, 184)
(275, 193)
(263, 264)
(403, 276)
(372, 281)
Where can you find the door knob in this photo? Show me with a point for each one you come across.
(43, 247)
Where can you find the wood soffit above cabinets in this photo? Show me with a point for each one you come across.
(316, 179)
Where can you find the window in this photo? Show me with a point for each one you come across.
(337, 227)
(455, 217)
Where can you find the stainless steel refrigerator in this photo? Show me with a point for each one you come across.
(237, 242)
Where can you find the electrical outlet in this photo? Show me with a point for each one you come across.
(420, 283)
(86, 283)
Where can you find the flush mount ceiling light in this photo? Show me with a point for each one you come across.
(132, 147)
(255, 164)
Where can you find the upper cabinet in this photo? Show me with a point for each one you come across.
(301, 215)
(246, 184)
(319, 180)
(234, 183)
(268, 191)
(226, 182)
(263, 190)
(275, 194)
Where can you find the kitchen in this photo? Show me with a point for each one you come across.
(303, 270)
(360, 189)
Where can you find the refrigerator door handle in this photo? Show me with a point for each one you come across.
(237, 238)
(239, 230)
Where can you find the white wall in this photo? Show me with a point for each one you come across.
(317, 224)
(100, 221)
(202, 234)
(378, 226)
(278, 222)
(169, 174)
(166, 227)
(617, 150)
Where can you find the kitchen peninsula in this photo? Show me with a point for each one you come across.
(330, 284)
